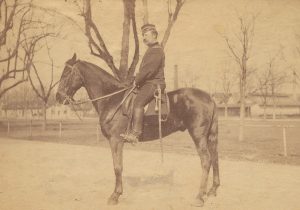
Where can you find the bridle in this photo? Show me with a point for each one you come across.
(73, 102)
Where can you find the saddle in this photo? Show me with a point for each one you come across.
(151, 123)
(151, 109)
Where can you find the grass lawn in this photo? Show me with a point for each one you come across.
(262, 143)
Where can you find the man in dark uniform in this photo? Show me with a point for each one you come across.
(148, 79)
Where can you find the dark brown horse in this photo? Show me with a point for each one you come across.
(190, 109)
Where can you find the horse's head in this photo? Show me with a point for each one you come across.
(71, 80)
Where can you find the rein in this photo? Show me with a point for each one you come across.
(72, 102)
(99, 98)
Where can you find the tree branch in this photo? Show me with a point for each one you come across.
(101, 47)
(137, 47)
(34, 87)
(233, 53)
(43, 92)
(8, 23)
(3, 91)
(146, 14)
(171, 20)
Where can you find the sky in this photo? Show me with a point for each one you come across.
(195, 44)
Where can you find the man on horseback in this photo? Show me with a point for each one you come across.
(149, 78)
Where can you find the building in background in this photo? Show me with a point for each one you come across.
(54, 112)
(258, 106)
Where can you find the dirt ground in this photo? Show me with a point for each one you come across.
(49, 176)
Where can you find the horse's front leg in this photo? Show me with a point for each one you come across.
(116, 146)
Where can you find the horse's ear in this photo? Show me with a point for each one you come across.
(73, 59)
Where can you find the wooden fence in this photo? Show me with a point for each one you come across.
(94, 129)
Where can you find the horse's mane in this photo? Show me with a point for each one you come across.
(101, 75)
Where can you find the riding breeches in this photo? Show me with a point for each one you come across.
(144, 96)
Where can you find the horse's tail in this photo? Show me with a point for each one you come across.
(213, 130)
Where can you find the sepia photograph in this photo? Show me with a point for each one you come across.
(149, 104)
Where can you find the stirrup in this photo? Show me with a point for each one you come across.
(130, 137)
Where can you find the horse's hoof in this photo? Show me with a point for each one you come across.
(112, 201)
(212, 192)
(198, 202)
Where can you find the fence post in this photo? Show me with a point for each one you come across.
(284, 141)
(60, 129)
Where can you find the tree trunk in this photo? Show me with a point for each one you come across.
(226, 111)
(44, 116)
(242, 109)
(242, 122)
(146, 16)
(125, 40)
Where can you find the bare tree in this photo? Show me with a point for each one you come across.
(98, 46)
(239, 46)
(276, 80)
(18, 40)
(263, 89)
(15, 22)
(24, 98)
(270, 81)
(41, 89)
(227, 84)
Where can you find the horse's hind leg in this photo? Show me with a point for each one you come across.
(215, 165)
(200, 140)
(213, 149)
(116, 146)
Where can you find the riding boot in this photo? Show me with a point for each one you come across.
(138, 118)
(137, 125)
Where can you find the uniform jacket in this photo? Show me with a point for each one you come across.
(152, 66)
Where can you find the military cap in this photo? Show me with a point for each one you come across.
(148, 27)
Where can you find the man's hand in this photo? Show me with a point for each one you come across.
(129, 82)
